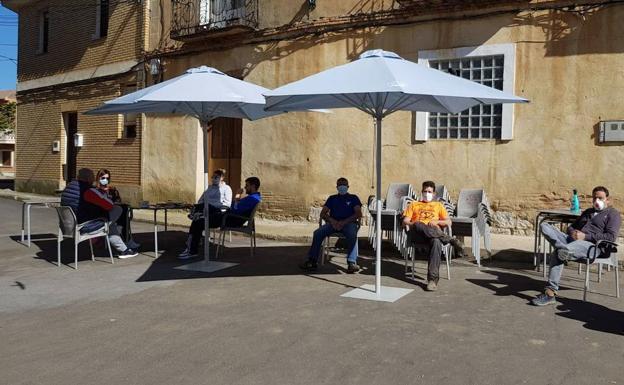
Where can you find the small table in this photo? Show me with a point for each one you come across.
(27, 204)
(165, 207)
(552, 215)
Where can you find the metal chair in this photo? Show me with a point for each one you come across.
(70, 228)
(472, 218)
(608, 256)
(409, 248)
(337, 235)
(248, 227)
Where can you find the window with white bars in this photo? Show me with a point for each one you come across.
(493, 65)
(478, 122)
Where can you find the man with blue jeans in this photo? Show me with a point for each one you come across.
(341, 213)
(597, 223)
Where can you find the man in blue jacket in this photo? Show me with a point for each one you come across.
(241, 206)
(341, 213)
(599, 222)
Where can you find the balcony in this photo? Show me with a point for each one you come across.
(204, 19)
(7, 138)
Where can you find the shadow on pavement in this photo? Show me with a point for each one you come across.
(596, 317)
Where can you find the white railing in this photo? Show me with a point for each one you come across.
(7, 138)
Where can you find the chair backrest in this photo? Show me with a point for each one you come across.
(396, 191)
(251, 222)
(468, 202)
(67, 220)
(442, 192)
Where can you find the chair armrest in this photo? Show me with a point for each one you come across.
(605, 247)
(230, 215)
(83, 224)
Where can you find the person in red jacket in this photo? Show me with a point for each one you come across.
(89, 204)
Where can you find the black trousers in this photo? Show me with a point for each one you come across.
(420, 233)
(215, 217)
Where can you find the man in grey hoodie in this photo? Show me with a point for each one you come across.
(600, 222)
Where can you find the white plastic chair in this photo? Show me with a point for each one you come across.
(69, 228)
(390, 214)
(608, 256)
(472, 218)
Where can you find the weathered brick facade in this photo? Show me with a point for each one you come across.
(41, 122)
(72, 42)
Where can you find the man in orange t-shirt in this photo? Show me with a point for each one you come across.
(424, 221)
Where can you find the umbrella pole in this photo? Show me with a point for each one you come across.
(204, 127)
(379, 208)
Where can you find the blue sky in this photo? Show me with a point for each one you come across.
(8, 49)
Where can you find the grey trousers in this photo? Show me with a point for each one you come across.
(420, 233)
(114, 231)
(560, 240)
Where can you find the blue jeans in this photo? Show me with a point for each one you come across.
(560, 240)
(349, 231)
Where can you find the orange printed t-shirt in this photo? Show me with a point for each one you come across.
(425, 212)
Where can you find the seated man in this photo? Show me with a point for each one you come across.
(88, 204)
(424, 221)
(242, 206)
(599, 222)
(341, 213)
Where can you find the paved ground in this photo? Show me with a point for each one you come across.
(141, 321)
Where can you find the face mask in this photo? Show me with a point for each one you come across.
(428, 197)
(599, 205)
(342, 189)
(103, 181)
(216, 181)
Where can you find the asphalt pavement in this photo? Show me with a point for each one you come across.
(143, 321)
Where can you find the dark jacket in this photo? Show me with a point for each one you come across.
(85, 202)
(598, 225)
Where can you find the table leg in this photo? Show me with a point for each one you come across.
(28, 207)
(536, 243)
(155, 235)
(23, 215)
(165, 220)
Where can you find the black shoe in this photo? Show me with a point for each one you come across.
(129, 253)
(309, 266)
(458, 247)
(352, 268)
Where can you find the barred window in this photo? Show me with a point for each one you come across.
(479, 122)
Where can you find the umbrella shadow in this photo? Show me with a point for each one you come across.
(594, 316)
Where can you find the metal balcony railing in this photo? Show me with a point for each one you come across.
(194, 19)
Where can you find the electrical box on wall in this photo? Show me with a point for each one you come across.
(56, 146)
(78, 140)
(611, 131)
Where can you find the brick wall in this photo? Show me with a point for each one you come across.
(71, 37)
(41, 122)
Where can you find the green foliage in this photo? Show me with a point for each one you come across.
(7, 117)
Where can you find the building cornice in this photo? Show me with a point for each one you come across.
(104, 70)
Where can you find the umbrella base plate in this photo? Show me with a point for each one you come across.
(206, 266)
(386, 294)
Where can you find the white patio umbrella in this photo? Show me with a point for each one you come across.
(205, 93)
(380, 83)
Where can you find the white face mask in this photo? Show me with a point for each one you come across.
(104, 181)
(599, 204)
(216, 181)
(428, 196)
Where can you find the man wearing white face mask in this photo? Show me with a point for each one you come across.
(341, 213)
(600, 222)
(424, 220)
(219, 197)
